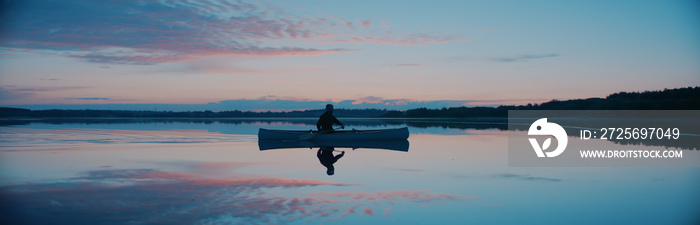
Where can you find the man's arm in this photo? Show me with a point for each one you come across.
(336, 121)
(339, 156)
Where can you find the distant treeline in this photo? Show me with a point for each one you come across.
(668, 99)
(15, 112)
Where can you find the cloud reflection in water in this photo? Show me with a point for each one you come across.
(162, 197)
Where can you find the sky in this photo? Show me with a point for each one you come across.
(285, 55)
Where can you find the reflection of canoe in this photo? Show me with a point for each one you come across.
(349, 135)
(398, 145)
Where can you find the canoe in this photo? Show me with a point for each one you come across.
(396, 145)
(347, 135)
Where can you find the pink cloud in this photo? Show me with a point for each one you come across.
(411, 39)
(180, 197)
(400, 195)
(380, 100)
(166, 32)
(345, 23)
(158, 175)
(387, 211)
(222, 165)
(149, 175)
(264, 182)
(368, 211)
(221, 69)
(287, 98)
(133, 59)
(187, 198)
(353, 195)
(366, 23)
(403, 101)
(159, 31)
(368, 99)
(170, 198)
(285, 51)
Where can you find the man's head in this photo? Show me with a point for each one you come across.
(329, 108)
(331, 170)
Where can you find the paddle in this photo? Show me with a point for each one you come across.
(306, 137)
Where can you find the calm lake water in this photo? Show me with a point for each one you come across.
(212, 172)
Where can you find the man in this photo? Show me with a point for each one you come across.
(326, 121)
(325, 155)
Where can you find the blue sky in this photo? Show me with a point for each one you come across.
(257, 55)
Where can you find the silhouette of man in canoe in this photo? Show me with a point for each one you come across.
(325, 155)
(326, 121)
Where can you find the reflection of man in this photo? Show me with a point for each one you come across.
(325, 155)
(326, 121)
